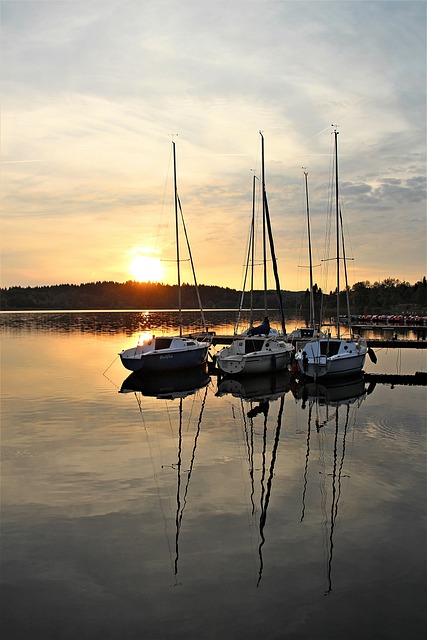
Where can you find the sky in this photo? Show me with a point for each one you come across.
(94, 92)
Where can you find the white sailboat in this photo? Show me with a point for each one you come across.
(326, 355)
(172, 353)
(259, 349)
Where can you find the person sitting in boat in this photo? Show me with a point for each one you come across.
(262, 329)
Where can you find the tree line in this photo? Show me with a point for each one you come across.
(128, 295)
(390, 295)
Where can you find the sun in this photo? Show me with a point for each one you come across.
(146, 268)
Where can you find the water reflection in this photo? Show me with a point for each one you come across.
(261, 405)
(182, 488)
(256, 388)
(105, 507)
(168, 384)
(332, 392)
(110, 322)
(258, 393)
(328, 403)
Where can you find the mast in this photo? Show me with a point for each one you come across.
(312, 321)
(264, 246)
(249, 262)
(266, 217)
(177, 239)
(337, 230)
(347, 290)
(252, 242)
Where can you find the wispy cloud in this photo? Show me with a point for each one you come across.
(92, 93)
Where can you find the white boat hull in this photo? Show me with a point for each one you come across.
(242, 358)
(315, 361)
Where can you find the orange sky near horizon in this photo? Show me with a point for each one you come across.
(92, 97)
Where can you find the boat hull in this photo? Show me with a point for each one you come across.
(349, 359)
(164, 360)
(269, 356)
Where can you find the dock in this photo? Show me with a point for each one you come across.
(419, 378)
(374, 343)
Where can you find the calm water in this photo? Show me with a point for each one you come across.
(239, 511)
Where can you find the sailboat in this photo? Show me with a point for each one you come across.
(174, 353)
(326, 355)
(260, 349)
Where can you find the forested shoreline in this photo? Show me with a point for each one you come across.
(390, 295)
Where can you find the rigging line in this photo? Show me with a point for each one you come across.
(329, 226)
(275, 271)
(109, 366)
(249, 261)
(303, 237)
(192, 264)
(160, 224)
(345, 276)
(318, 134)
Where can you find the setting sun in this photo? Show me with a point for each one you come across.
(146, 268)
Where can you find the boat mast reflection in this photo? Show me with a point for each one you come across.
(171, 386)
(262, 390)
(343, 394)
(182, 503)
(266, 493)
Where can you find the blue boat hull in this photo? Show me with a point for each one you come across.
(164, 361)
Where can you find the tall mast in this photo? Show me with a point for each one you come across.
(177, 239)
(266, 217)
(264, 247)
(252, 242)
(312, 321)
(337, 229)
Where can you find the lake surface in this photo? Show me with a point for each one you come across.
(255, 509)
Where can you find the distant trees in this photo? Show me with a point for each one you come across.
(114, 295)
(391, 295)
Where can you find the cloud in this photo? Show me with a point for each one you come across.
(92, 93)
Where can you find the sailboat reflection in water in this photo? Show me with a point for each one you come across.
(256, 395)
(333, 403)
(167, 385)
(172, 386)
